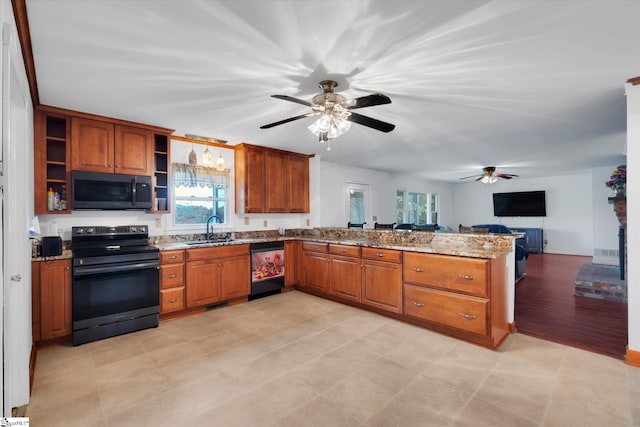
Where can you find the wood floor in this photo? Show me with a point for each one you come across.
(546, 308)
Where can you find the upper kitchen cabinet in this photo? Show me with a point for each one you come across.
(270, 181)
(66, 140)
(98, 146)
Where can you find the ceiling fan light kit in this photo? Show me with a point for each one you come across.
(489, 175)
(335, 113)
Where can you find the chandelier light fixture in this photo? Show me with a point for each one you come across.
(332, 122)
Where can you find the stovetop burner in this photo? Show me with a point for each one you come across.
(102, 241)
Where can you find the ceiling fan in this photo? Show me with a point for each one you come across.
(335, 112)
(489, 175)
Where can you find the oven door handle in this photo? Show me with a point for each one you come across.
(114, 268)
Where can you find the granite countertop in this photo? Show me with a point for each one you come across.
(442, 246)
(66, 254)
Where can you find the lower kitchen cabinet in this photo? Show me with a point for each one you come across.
(172, 279)
(51, 285)
(315, 266)
(345, 271)
(382, 279)
(217, 274)
(234, 277)
(292, 249)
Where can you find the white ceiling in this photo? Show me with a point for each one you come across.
(535, 88)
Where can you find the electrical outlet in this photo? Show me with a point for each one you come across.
(246, 220)
(265, 223)
(308, 222)
(158, 222)
(375, 217)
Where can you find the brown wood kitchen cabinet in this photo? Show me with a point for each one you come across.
(52, 284)
(292, 256)
(270, 181)
(66, 140)
(345, 271)
(382, 279)
(172, 280)
(101, 146)
(465, 296)
(216, 274)
(315, 266)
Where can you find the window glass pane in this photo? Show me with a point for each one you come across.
(400, 207)
(356, 204)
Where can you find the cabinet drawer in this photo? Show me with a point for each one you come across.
(171, 257)
(171, 275)
(314, 247)
(171, 299)
(217, 252)
(468, 275)
(388, 255)
(459, 311)
(344, 250)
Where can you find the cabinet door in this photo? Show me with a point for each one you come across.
(345, 277)
(275, 184)
(133, 149)
(315, 270)
(254, 181)
(382, 285)
(298, 184)
(55, 299)
(202, 282)
(92, 145)
(234, 277)
(292, 262)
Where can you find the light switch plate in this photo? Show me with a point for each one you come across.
(265, 223)
(246, 220)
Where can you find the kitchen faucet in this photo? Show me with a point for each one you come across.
(208, 231)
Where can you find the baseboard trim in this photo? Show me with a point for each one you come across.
(512, 327)
(633, 357)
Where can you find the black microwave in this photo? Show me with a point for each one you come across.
(108, 191)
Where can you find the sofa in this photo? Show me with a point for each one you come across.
(521, 252)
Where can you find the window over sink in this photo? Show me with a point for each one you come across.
(199, 191)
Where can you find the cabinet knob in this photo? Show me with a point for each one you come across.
(417, 270)
(466, 277)
(172, 300)
(467, 316)
(417, 304)
(117, 166)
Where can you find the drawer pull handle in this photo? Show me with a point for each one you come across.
(466, 277)
(172, 300)
(379, 255)
(172, 276)
(343, 250)
(172, 257)
(417, 270)
(417, 304)
(468, 316)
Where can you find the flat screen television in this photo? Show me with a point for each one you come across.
(522, 203)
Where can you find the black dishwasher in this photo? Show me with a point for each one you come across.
(267, 269)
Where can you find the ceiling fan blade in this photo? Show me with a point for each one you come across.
(367, 101)
(292, 99)
(472, 176)
(505, 175)
(290, 119)
(370, 122)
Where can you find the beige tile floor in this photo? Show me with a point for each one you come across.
(297, 360)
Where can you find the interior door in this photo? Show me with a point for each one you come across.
(17, 155)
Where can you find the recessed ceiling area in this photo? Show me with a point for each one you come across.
(535, 88)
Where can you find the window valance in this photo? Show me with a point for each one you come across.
(186, 175)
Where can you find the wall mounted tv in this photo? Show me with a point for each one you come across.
(522, 203)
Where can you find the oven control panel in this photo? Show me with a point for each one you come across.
(120, 230)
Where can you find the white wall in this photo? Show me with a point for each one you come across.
(568, 225)
(633, 213)
(384, 186)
